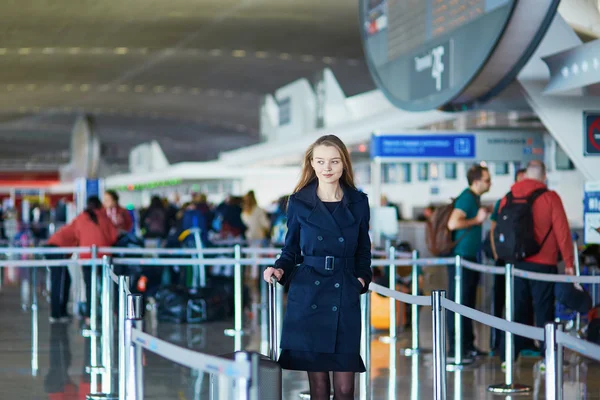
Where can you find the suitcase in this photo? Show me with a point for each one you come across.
(269, 371)
(179, 304)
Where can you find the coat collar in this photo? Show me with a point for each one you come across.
(321, 217)
(308, 194)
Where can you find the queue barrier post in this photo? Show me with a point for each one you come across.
(237, 330)
(133, 376)
(415, 346)
(439, 345)
(554, 362)
(509, 387)
(459, 361)
(365, 378)
(93, 369)
(123, 284)
(107, 369)
(393, 329)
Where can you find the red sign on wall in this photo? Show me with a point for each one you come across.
(591, 145)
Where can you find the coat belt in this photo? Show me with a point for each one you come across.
(329, 263)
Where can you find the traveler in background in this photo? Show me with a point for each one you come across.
(155, 220)
(499, 280)
(465, 223)
(279, 222)
(118, 215)
(326, 261)
(385, 202)
(230, 212)
(256, 221)
(552, 233)
(91, 227)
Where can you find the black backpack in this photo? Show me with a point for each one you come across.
(514, 236)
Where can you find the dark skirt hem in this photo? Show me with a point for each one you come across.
(320, 362)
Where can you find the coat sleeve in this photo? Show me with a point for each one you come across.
(65, 237)
(362, 265)
(291, 253)
(111, 233)
(562, 231)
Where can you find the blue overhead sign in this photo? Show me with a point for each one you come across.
(424, 146)
(92, 187)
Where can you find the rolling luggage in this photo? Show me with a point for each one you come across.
(179, 304)
(269, 371)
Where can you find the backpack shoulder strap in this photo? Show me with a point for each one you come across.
(509, 198)
(535, 195)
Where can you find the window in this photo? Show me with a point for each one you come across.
(434, 171)
(423, 171)
(563, 162)
(396, 173)
(501, 168)
(450, 171)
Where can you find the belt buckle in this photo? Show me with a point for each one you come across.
(329, 263)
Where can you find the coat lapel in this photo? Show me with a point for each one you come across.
(343, 216)
(321, 217)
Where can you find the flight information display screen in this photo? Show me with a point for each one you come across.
(422, 53)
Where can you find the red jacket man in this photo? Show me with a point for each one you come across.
(550, 222)
(548, 213)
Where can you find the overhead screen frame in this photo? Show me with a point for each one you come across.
(501, 66)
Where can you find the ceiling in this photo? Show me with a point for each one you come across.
(190, 74)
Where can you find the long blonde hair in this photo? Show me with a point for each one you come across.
(249, 202)
(308, 173)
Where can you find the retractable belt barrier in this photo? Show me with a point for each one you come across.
(392, 260)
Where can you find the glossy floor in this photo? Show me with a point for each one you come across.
(62, 353)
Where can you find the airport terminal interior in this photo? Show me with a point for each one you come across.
(180, 128)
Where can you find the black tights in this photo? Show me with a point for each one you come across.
(320, 386)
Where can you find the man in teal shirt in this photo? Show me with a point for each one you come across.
(465, 223)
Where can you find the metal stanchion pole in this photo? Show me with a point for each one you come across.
(199, 270)
(365, 379)
(509, 387)
(577, 273)
(459, 360)
(34, 324)
(439, 344)
(107, 330)
(123, 281)
(392, 285)
(238, 288)
(414, 309)
(93, 333)
(139, 361)
(135, 305)
(242, 386)
(554, 362)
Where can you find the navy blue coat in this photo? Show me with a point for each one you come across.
(323, 309)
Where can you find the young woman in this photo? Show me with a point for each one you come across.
(326, 261)
(256, 221)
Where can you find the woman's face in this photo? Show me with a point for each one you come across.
(327, 163)
(108, 201)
